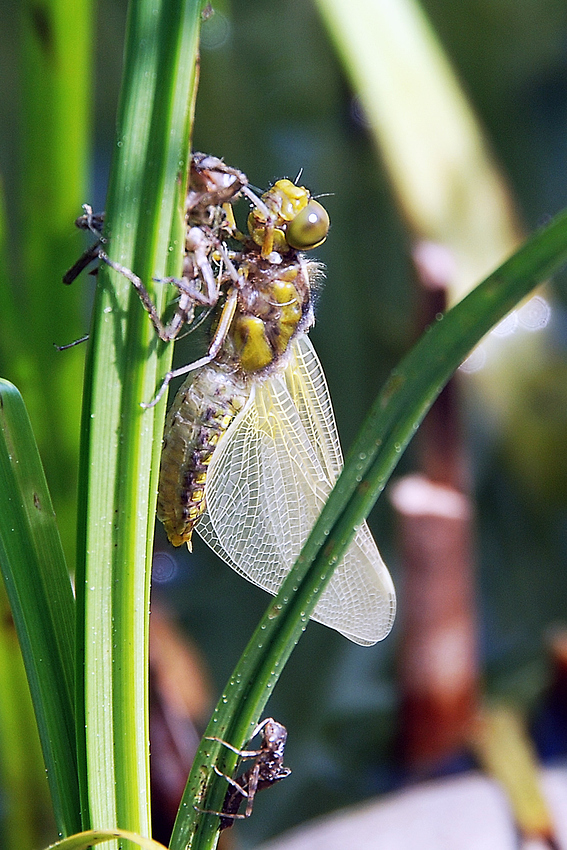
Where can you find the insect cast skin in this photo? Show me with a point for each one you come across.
(213, 186)
(268, 768)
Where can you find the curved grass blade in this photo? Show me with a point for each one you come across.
(92, 837)
(392, 422)
(41, 599)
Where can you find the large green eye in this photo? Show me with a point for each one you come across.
(309, 228)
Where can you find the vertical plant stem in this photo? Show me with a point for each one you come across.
(122, 442)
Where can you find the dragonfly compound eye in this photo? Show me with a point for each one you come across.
(309, 228)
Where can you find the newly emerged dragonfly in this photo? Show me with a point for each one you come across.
(251, 449)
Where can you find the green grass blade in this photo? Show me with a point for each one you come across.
(442, 170)
(56, 102)
(92, 837)
(121, 442)
(391, 424)
(27, 815)
(41, 599)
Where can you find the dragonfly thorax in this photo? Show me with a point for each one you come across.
(274, 304)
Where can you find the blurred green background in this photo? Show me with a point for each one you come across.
(273, 100)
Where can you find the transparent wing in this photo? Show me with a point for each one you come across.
(267, 483)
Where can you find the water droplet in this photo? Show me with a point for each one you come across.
(507, 326)
(216, 32)
(475, 361)
(164, 568)
(535, 314)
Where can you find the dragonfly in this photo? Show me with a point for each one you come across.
(251, 449)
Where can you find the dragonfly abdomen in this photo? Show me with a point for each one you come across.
(203, 409)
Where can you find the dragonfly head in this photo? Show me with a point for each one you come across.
(291, 219)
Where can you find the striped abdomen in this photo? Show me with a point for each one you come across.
(203, 409)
